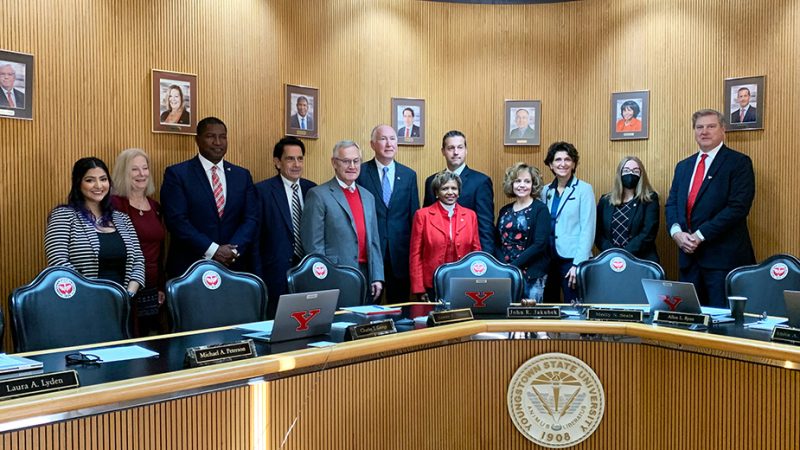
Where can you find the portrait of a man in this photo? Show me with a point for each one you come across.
(408, 128)
(408, 118)
(745, 105)
(11, 96)
(521, 129)
(303, 117)
(302, 113)
(522, 122)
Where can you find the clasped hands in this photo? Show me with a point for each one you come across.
(226, 254)
(687, 242)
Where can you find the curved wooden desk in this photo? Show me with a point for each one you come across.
(435, 388)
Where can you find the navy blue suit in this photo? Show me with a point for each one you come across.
(720, 214)
(394, 224)
(476, 194)
(190, 214)
(275, 249)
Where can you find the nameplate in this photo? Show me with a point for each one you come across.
(206, 355)
(38, 384)
(681, 318)
(533, 312)
(786, 334)
(615, 315)
(372, 329)
(301, 132)
(436, 318)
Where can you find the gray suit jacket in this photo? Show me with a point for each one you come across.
(328, 228)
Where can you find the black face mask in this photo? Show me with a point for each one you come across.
(630, 180)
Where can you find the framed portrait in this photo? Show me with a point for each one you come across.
(630, 115)
(174, 102)
(16, 85)
(302, 111)
(408, 118)
(523, 122)
(744, 103)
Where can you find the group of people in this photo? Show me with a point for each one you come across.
(368, 216)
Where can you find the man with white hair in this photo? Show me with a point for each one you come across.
(9, 96)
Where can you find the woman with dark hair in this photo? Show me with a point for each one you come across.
(523, 228)
(176, 107)
(87, 234)
(441, 233)
(572, 220)
(627, 217)
(629, 110)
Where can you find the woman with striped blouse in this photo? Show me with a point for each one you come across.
(87, 235)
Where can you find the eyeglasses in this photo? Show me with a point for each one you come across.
(349, 162)
(627, 171)
(83, 358)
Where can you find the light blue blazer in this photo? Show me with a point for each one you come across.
(576, 219)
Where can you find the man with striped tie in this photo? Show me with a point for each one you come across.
(210, 206)
(281, 198)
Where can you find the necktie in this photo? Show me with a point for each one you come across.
(296, 211)
(697, 181)
(303, 123)
(10, 99)
(408, 131)
(216, 186)
(386, 187)
(741, 115)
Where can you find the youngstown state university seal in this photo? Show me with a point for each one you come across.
(556, 400)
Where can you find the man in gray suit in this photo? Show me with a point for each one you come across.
(523, 131)
(340, 222)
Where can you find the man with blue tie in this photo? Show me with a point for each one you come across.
(209, 205)
(281, 199)
(302, 120)
(711, 195)
(394, 187)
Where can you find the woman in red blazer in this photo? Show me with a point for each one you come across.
(443, 232)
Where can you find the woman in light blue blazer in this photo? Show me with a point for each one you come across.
(571, 204)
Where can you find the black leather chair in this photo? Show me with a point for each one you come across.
(317, 273)
(763, 284)
(210, 295)
(615, 276)
(486, 266)
(62, 308)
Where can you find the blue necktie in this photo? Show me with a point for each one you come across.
(303, 124)
(387, 188)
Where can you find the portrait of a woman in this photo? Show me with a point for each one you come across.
(176, 112)
(629, 110)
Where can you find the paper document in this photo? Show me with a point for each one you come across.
(122, 353)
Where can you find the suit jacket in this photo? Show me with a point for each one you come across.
(429, 237)
(190, 214)
(394, 221)
(720, 210)
(749, 116)
(535, 259)
(575, 220)
(522, 133)
(401, 133)
(294, 122)
(19, 99)
(643, 227)
(328, 228)
(275, 248)
(476, 194)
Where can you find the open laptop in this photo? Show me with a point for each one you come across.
(676, 296)
(792, 301)
(482, 295)
(302, 315)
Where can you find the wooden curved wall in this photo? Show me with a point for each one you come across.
(93, 62)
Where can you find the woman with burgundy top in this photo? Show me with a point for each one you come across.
(132, 187)
(441, 233)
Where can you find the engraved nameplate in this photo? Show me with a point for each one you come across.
(533, 312)
(615, 315)
(786, 334)
(205, 355)
(372, 329)
(681, 318)
(38, 384)
(442, 317)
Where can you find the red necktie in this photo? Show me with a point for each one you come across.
(216, 186)
(697, 181)
(10, 100)
(408, 132)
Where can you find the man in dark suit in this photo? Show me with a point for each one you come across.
(522, 119)
(302, 120)
(396, 199)
(711, 195)
(10, 97)
(476, 188)
(339, 219)
(281, 199)
(745, 113)
(209, 205)
(409, 130)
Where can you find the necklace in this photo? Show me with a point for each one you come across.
(141, 210)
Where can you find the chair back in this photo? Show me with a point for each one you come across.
(615, 276)
(210, 295)
(317, 273)
(763, 284)
(62, 308)
(477, 265)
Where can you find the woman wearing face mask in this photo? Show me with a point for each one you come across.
(627, 217)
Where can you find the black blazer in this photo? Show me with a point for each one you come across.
(720, 210)
(535, 259)
(643, 227)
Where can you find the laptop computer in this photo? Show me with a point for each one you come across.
(301, 315)
(792, 301)
(482, 295)
(676, 296)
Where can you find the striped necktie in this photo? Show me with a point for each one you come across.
(296, 211)
(216, 186)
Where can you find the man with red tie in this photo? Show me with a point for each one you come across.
(409, 130)
(9, 96)
(711, 195)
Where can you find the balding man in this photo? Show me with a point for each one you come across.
(9, 96)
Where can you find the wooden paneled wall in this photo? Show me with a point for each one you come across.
(93, 62)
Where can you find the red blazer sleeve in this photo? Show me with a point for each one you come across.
(415, 252)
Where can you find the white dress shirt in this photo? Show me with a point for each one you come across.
(287, 186)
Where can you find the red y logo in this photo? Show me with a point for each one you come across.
(672, 302)
(479, 297)
(303, 317)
